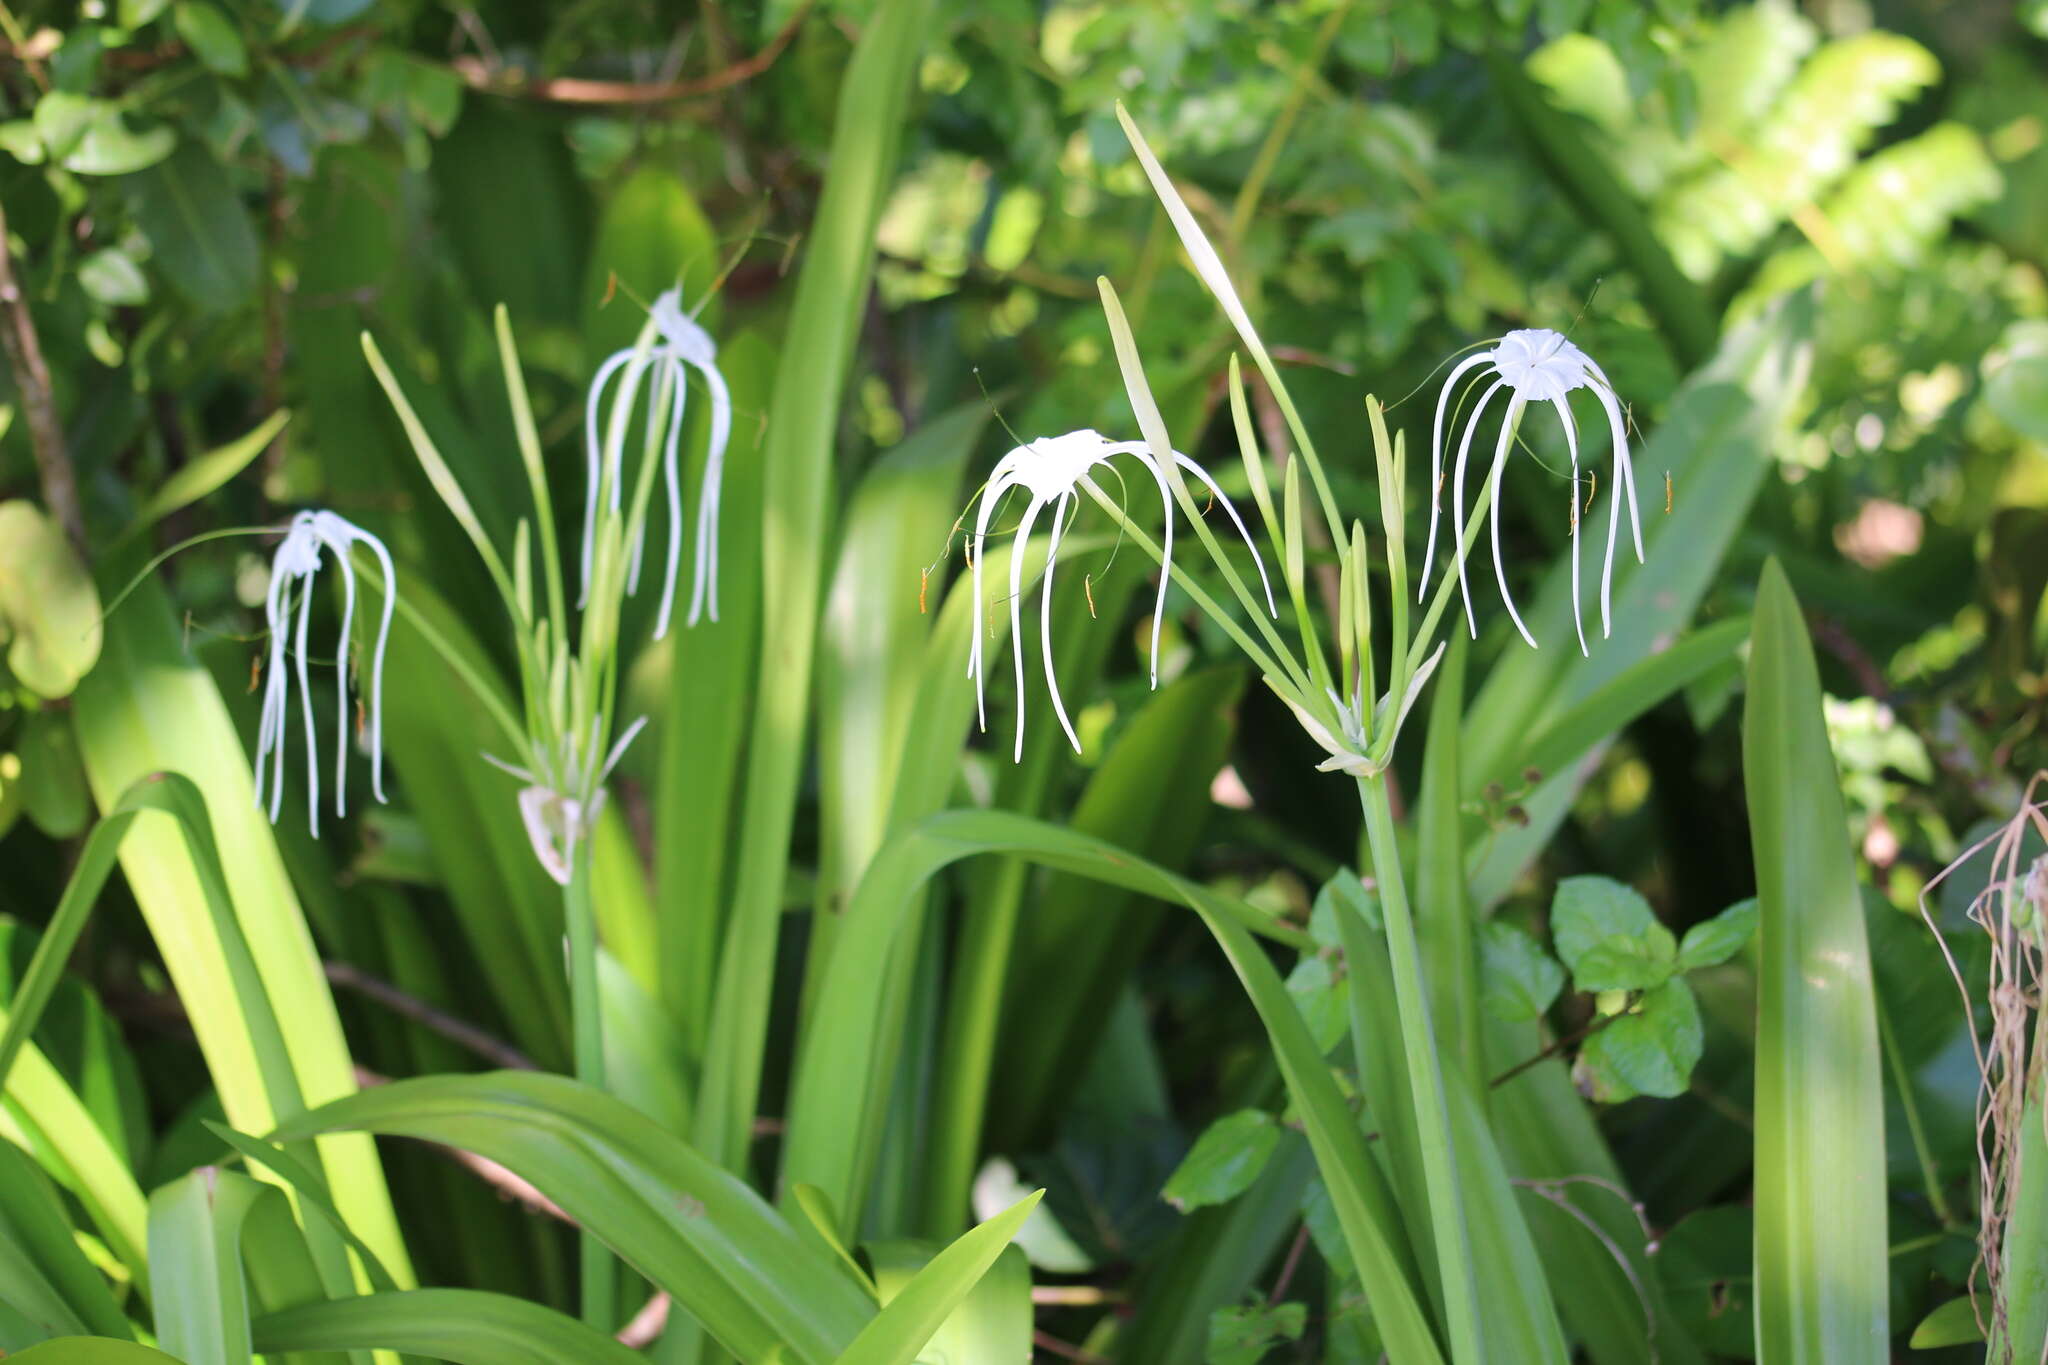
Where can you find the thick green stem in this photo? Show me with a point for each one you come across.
(600, 1274)
(1425, 1079)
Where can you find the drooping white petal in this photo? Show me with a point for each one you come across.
(1016, 612)
(1060, 511)
(1458, 500)
(306, 705)
(593, 455)
(1001, 482)
(1623, 487)
(704, 597)
(672, 477)
(1235, 520)
(348, 613)
(1571, 441)
(1500, 459)
(1143, 453)
(1436, 464)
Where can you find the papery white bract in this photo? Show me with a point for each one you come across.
(296, 563)
(564, 793)
(1053, 470)
(1534, 365)
(683, 346)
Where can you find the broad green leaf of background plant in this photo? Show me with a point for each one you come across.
(1821, 1266)
(49, 608)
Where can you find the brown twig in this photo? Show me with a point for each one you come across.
(38, 403)
(1287, 1267)
(455, 1030)
(1065, 1350)
(1557, 1046)
(575, 90)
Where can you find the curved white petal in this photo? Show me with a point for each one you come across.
(1436, 464)
(1142, 451)
(348, 614)
(1185, 463)
(704, 597)
(672, 483)
(1458, 499)
(1000, 483)
(306, 705)
(593, 475)
(1060, 511)
(1017, 612)
(1500, 459)
(1624, 482)
(1571, 441)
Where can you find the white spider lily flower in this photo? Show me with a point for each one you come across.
(564, 794)
(1053, 470)
(297, 562)
(683, 346)
(1534, 365)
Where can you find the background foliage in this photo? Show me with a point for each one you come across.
(206, 202)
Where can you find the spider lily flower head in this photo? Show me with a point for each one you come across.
(564, 792)
(681, 345)
(1534, 365)
(296, 564)
(1053, 471)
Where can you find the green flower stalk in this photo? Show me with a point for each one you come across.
(1340, 702)
(565, 743)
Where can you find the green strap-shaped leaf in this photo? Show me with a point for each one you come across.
(92, 1351)
(695, 1230)
(1821, 1264)
(916, 1312)
(43, 1274)
(463, 1325)
(195, 1245)
(824, 1107)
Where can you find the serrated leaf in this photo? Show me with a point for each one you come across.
(1653, 1048)
(1716, 940)
(1587, 911)
(1224, 1161)
(1243, 1335)
(1517, 979)
(1619, 963)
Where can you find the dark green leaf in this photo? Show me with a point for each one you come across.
(1224, 1161)
(1952, 1324)
(1720, 938)
(197, 228)
(111, 276)
(1627, 964)
(212, 36)
(1243, 1336)
(1517, 979)
(1589, 911)
(1653, 1048)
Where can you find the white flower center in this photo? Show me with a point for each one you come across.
(681, 333)
(1540, 365)
(1052, 466)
